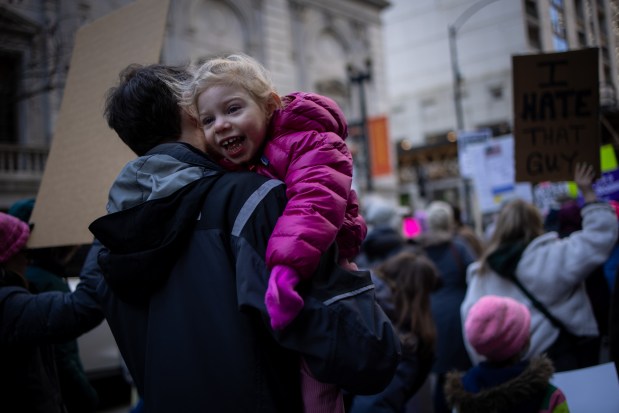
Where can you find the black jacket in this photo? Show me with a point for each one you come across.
(29, 326)
(184, 290)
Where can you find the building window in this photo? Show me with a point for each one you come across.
(497, 129)
(579, 6)
(437, 138)
(533, 31)
(531, 8)
(580, 22)
(557, 21)
(9, 64)
(429, 108)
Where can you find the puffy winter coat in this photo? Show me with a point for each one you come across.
(78, 394)
(519, 388)
(184, 285)
(307, 151)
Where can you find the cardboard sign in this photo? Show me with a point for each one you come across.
(556, 102)
(86, 155)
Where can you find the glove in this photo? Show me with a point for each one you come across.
(282, 301)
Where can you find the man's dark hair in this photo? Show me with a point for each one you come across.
(143, 109)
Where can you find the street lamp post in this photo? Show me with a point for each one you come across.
(453, 49)
(360, 77)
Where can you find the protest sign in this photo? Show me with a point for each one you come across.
(591, 389)
(86, 155)
(556, 102)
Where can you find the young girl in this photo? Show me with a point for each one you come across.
(298, 139)
(499, 328)
(411, 278)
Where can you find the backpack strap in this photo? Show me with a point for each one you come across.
(555, 321)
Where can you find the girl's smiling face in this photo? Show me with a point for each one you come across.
(234, 124)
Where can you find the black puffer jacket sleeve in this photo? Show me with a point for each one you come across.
(54, 316)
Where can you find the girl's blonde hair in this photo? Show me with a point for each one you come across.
(233, 70)
(518, 221)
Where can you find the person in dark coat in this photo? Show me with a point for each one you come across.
(467, 234)
(30, 325)
(182, 253)
(383, 239)
(451, 256)
(46, 272)
(410, 278)
(613, 327)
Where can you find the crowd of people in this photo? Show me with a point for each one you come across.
(213, 236)
(558, 274)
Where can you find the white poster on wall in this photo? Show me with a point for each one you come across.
(466, 159)
(493, 174)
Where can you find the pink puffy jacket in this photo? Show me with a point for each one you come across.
(306, 150)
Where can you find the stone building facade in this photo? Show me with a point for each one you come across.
(305, 44)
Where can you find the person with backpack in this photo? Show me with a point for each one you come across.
(547, 274)
(182, 253)
(410, 278)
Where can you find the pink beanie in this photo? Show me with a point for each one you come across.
(14, 234)
(498, 327)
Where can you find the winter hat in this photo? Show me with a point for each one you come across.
(498, 327)
(569, 218)
(14, 234)
(22, 209)
(380, 213)
(440, 216)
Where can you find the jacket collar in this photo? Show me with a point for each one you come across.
(529, 385)
(185, 153)
(504, 260)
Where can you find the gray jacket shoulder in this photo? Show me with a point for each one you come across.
(151, 177)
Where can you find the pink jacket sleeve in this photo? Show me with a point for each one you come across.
(353, 231)
(317, 170)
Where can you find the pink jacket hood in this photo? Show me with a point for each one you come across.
(303, 112)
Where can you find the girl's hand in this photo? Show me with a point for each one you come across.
(349, 265)
(283, 302)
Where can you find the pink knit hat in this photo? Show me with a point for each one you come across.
(14, 234)
(498, 327)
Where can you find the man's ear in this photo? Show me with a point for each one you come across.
(274, 102)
